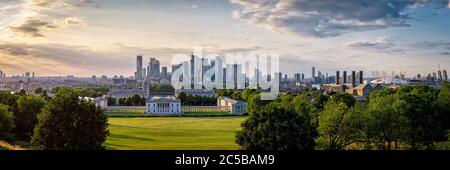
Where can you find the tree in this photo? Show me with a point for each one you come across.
(276, 126)
(38, 90)
(70, 123)
(6, 123)
(418, 104)
(26, 116)
(345, 98)
(443, 102)
(386, 128)
(111, 101)
(340, 125)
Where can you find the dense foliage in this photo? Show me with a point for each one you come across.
(410, 117)
(70, 123)
(197, 100)
(6, 123)
(25, 116)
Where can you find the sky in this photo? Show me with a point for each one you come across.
(103, 37)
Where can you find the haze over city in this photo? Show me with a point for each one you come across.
(103, 37)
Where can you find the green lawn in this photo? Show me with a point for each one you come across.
(2, 148)
(124, 114)
(206, 114)
(173, 133)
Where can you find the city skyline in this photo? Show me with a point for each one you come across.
(79, 37)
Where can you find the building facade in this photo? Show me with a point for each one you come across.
(162, 105)
(237, 107)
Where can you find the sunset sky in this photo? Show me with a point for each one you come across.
(103, 37)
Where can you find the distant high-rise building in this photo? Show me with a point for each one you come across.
(153, 70)
(439, 75)
(297, 77)
(338, 80)
(445, 75)
(144, 73)
(303, 76)
(434, 76)
(313, 72)
(139, 70)
(344, 77)
(353, 78)
(361, 77)
(164, 74)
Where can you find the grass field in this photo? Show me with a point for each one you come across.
(124, 114)
(173, 133)
(2, 148)
(186, 114)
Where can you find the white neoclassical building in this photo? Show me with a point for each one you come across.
(163, 105)
(237, 107)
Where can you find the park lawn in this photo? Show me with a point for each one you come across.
(173, 133)
(124, 114)
(206, 113)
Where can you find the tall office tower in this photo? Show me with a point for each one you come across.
(139, 68)
(313, 73)
(303, 76)
(164, 74)
(445, 75)
(344, 77)
(319, 74)
(353, 78)
(434, 76)
(224, 78)
(297, 77)
(154, 67)
(338, 80)
(144, 74)
(439, 75)
(361, 77)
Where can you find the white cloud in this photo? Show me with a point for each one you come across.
(326, 18)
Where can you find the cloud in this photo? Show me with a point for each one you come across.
(32, 27)
(327, 18)
(40, 16)
(380, 43)
(445, 53)
(432, 45)
(60, 59)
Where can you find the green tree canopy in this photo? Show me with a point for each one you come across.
(6, 123)
(277, 126)
(25, 117)
(70, 123)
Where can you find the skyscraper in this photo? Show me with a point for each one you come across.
(164, 74)
(439, 75)
(338, 80)
(445, 75)
(313, 74)
(353, 78)
(344, 77)
(361, 77)
(139, 70)
(153, 68)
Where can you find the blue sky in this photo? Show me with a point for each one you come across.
(85, 37)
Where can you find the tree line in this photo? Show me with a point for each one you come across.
(197, 100)
(63, 121)
(135, 100)
(411, 117)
